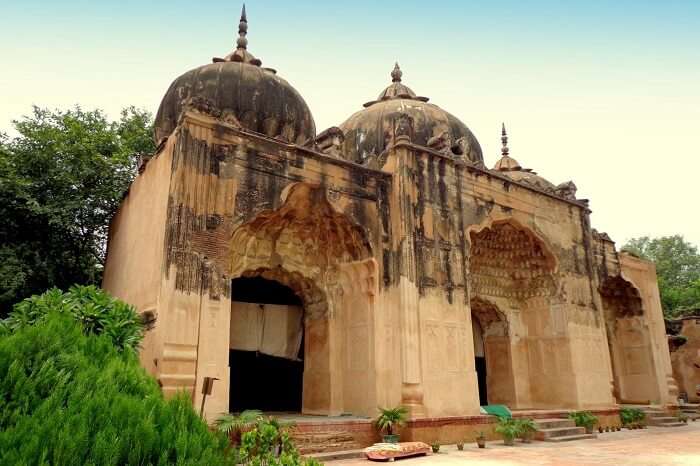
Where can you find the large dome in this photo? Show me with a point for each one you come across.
(366, 130)
(238, 87)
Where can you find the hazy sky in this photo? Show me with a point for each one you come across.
(606, 93)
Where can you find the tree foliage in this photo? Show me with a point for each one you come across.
(677, 267)
(71, 398)
(97, 312)
(61, 180)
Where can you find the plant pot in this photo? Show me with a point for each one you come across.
(460, 446)
(589, 429)
(436, 448)
(509, 441)
(394, 438)
(481, 442)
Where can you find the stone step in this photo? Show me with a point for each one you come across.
(655, 413)
(544, 434)
(337, 455)
(669, 424)
(568, 438)
(662, 420)
(553, 423)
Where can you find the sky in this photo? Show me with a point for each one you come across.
(604, 93)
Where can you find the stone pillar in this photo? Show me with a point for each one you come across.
(410, 335)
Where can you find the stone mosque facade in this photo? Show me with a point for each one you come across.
(377, 263)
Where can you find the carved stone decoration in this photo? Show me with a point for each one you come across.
(567, 190)
(511, 262)
(402, 128)
(461, 146)
(441, 142)
(330, 141)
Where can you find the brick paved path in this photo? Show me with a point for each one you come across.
(650, 447)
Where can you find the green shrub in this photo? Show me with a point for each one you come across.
(527, 427)
(269, 444)
(584, 419)
(97, 312)
(630, 416)
(67, 398)
(509, 428)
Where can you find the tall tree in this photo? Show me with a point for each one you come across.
(677, 267)
(61, 180)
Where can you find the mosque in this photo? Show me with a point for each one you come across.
(377, 263)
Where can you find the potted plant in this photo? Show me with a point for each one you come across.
(600, 429)
(509, 428)
(389, 419)
(435, 446)
(481, 440)
(585, 419)
(527, 429)
(460, 446)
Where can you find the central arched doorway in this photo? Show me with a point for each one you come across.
(266, 349)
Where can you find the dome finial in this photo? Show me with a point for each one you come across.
(240, 54)
(242, 41)
(504, 140)
(396, 73)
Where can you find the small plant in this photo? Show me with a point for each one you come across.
(509, 428)
(460, 446)
(435, 446)
(269, 443)
(389, 419)
(682, 418)
(584, 419)
(481, 440)
(631, 416)
(527, 429)
(234, 425)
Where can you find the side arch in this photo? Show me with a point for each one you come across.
(629, 341)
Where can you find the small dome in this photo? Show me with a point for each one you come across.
(366, 131)
(510, 167)
(238, 87)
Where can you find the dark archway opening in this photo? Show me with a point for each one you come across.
(480, 361)
(266, 351)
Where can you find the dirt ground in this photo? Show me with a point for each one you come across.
(653, 446)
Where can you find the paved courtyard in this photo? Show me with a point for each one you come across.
(653, 446)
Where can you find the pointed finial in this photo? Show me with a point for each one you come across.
(504, 140)
(396, 73)
(242, 42)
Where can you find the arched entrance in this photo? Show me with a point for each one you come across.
(511, 279)
(266, 350)
(492, 356)
(326, 261)
(629, 342)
